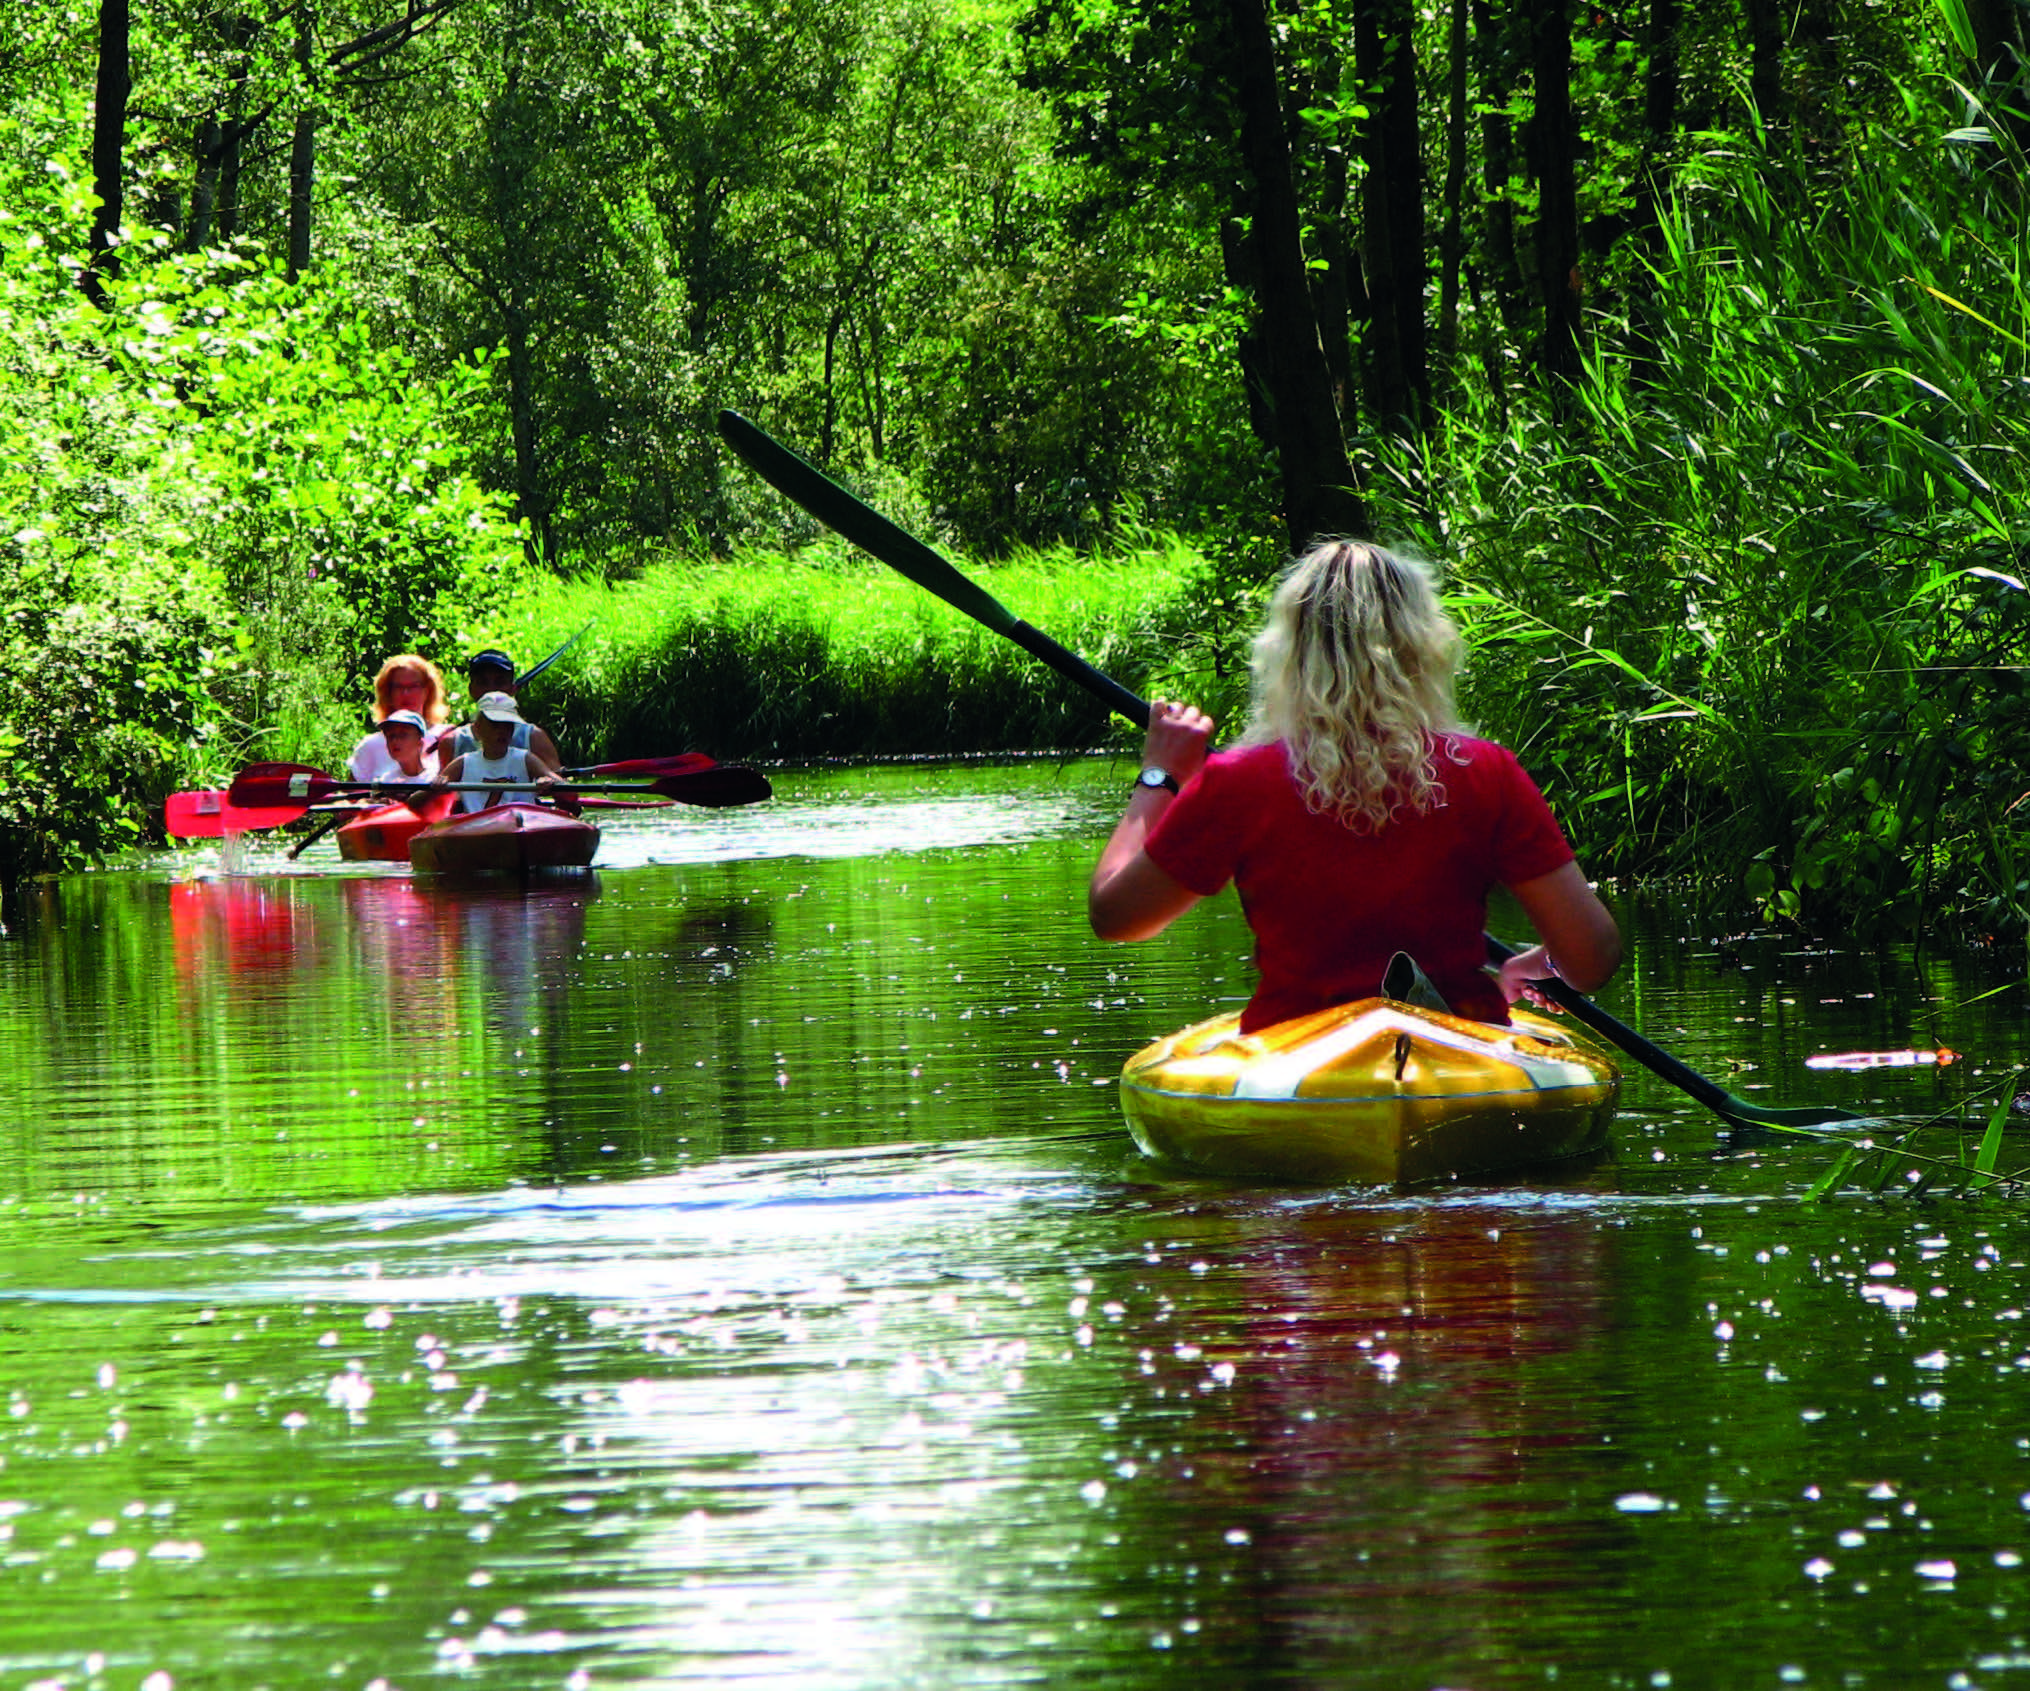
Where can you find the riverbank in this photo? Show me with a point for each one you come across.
(825, 654)
(782, 656)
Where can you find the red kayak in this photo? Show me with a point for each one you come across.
(382, 835)
(509, 839)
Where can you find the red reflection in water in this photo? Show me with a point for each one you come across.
(245, 924)
(1412, 1404)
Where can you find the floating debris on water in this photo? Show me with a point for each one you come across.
(1882, 1059)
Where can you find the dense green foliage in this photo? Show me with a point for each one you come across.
(1705, 378)
(1789, 614)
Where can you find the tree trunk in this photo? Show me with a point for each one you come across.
(1392, 215)
(1337, 292)
(1558, 279)
(1318, 494)
(303, 146)
(109, 142)
(1498, 167)
(828, 429)
(1765, 52)
(1452, 242)
(1998, 38)
(210, 148)
(228, 213)
(1243, 273)
(221, 138)
(510, 145)
(2001, 57)
(530, 505)
(1660, 116)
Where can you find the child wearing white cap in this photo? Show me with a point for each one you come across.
(405, 732)
(497, 758)
(397, 751)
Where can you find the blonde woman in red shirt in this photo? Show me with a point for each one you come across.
(1356, 817)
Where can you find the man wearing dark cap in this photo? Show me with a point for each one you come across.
(494, 672)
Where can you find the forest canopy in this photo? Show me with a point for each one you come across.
(1691, 340)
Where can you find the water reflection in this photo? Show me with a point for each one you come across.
(1413, 1396)
(236, 925)
(735, 1267)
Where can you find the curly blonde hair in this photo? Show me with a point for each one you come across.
(1353, 672)
(434, 712)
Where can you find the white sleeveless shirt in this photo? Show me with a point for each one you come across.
(513, 767)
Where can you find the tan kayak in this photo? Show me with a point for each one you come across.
(510, 839)
(1374, 1091)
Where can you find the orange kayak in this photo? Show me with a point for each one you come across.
(1373, 1091)
(382, 835)
(509, 839)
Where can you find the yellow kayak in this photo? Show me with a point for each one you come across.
(1373, 1091)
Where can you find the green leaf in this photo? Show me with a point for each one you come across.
(1991, 1141)
(1833, 1175)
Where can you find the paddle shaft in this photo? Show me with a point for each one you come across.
(807, 485)
(1652, 1057)
(282, 791)
(317, 833)
(818, 494)
(523, 680)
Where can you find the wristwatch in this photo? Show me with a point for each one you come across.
(1154, 777)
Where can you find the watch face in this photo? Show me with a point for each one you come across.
(1153, 777)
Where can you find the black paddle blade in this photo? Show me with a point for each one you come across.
(902, 552)
(1737, 1111)
(721, 787)
(530, 675)
(808, 486)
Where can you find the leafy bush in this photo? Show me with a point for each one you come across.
(221, 504)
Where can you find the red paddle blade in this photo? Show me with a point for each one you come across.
(647, 768)
(213, 815)
(718, 788)
(269, 784)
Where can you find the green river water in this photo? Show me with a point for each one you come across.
(733, 1270)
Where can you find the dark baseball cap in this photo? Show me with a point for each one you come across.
(490, 660)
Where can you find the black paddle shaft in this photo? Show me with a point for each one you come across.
(805, 484)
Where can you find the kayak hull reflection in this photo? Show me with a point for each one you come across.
(1374, 1091)
(509, 839)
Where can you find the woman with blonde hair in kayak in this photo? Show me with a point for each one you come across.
(1357, 817)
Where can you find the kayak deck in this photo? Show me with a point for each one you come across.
(509, 839)
(1373, 1091)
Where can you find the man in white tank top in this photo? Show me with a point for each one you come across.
(497, 759)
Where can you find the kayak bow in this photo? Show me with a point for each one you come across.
(1374, 1091)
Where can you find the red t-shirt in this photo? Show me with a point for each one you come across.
(1330, 906)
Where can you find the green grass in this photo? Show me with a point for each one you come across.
(823, 654)
(1755, 609)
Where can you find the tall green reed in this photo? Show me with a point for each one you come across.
(1758, 604)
